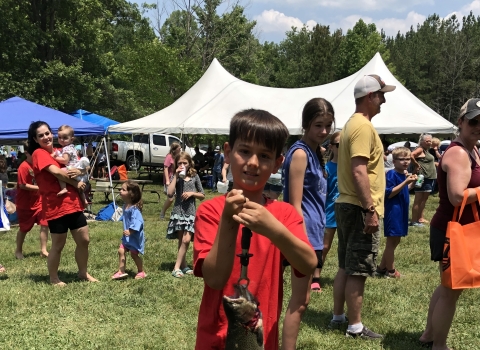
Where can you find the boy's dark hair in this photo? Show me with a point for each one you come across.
(135, 193)
(32, 134)
(260, 127)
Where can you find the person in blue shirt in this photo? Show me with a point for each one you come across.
(397, 200)
(217, 167)
(332, 195)
(133, 239)
(305, 187)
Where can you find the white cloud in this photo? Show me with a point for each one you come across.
(392, 26)
(272, 21)
(368, 5)
(474, 7)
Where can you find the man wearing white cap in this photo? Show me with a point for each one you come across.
(361, 183)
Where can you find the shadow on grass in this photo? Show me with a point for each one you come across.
(3, 277)
(326, 281)
(317, 319)
(66, 277)
(402, 340)
(166, 266)
(33, 255)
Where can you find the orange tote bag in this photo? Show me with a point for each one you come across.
(461, 252)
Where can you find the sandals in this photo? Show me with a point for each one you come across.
(2, 269)
(187, 271)
(177, 273)
(119, 276)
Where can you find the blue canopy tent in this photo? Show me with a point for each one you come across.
(94, 118)
(16, 115)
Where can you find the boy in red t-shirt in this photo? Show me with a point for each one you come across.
(253, 152)
(29, 207)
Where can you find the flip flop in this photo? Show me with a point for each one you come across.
(140, 275)
(187, 271)
(118, 275)
(177, 273)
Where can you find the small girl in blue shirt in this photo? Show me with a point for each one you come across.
(133, 239)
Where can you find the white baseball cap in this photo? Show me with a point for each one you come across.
(371, 83)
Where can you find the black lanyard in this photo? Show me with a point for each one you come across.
(245, 256)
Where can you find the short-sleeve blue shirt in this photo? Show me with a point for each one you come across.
(396, 208)
(133, 220)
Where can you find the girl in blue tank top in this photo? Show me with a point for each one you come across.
(332, 195)
(305, 187)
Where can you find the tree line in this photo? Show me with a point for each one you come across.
(108, 57)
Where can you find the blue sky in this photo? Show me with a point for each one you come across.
(275, 17)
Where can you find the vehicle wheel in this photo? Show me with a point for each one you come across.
(133, 162)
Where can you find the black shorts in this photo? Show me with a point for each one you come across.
(67, 222)
(319, 254)
(437, 241)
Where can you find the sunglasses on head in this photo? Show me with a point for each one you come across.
(335, 144)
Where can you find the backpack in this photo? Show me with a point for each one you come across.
(122, 171)
(114, 173)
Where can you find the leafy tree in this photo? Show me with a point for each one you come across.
(358, 47)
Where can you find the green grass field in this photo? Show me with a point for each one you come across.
(160, 312)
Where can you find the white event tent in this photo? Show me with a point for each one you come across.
(210, 104)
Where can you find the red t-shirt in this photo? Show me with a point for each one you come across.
(54, 206)
(27, 200)
(264, 272)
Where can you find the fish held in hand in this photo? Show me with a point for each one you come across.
(245, 325)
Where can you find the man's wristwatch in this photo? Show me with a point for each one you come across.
(370, 209)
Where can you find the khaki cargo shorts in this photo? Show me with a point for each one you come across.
(357, 251)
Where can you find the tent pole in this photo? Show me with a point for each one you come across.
(109, 174)
(133, 143)
(150, 155)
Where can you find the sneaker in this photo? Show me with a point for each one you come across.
(337, 324)
(364, 334)
(395, 274)
(416, 224)
(162, 216)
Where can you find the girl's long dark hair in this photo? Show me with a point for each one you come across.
(314, 108)
(32, 134)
